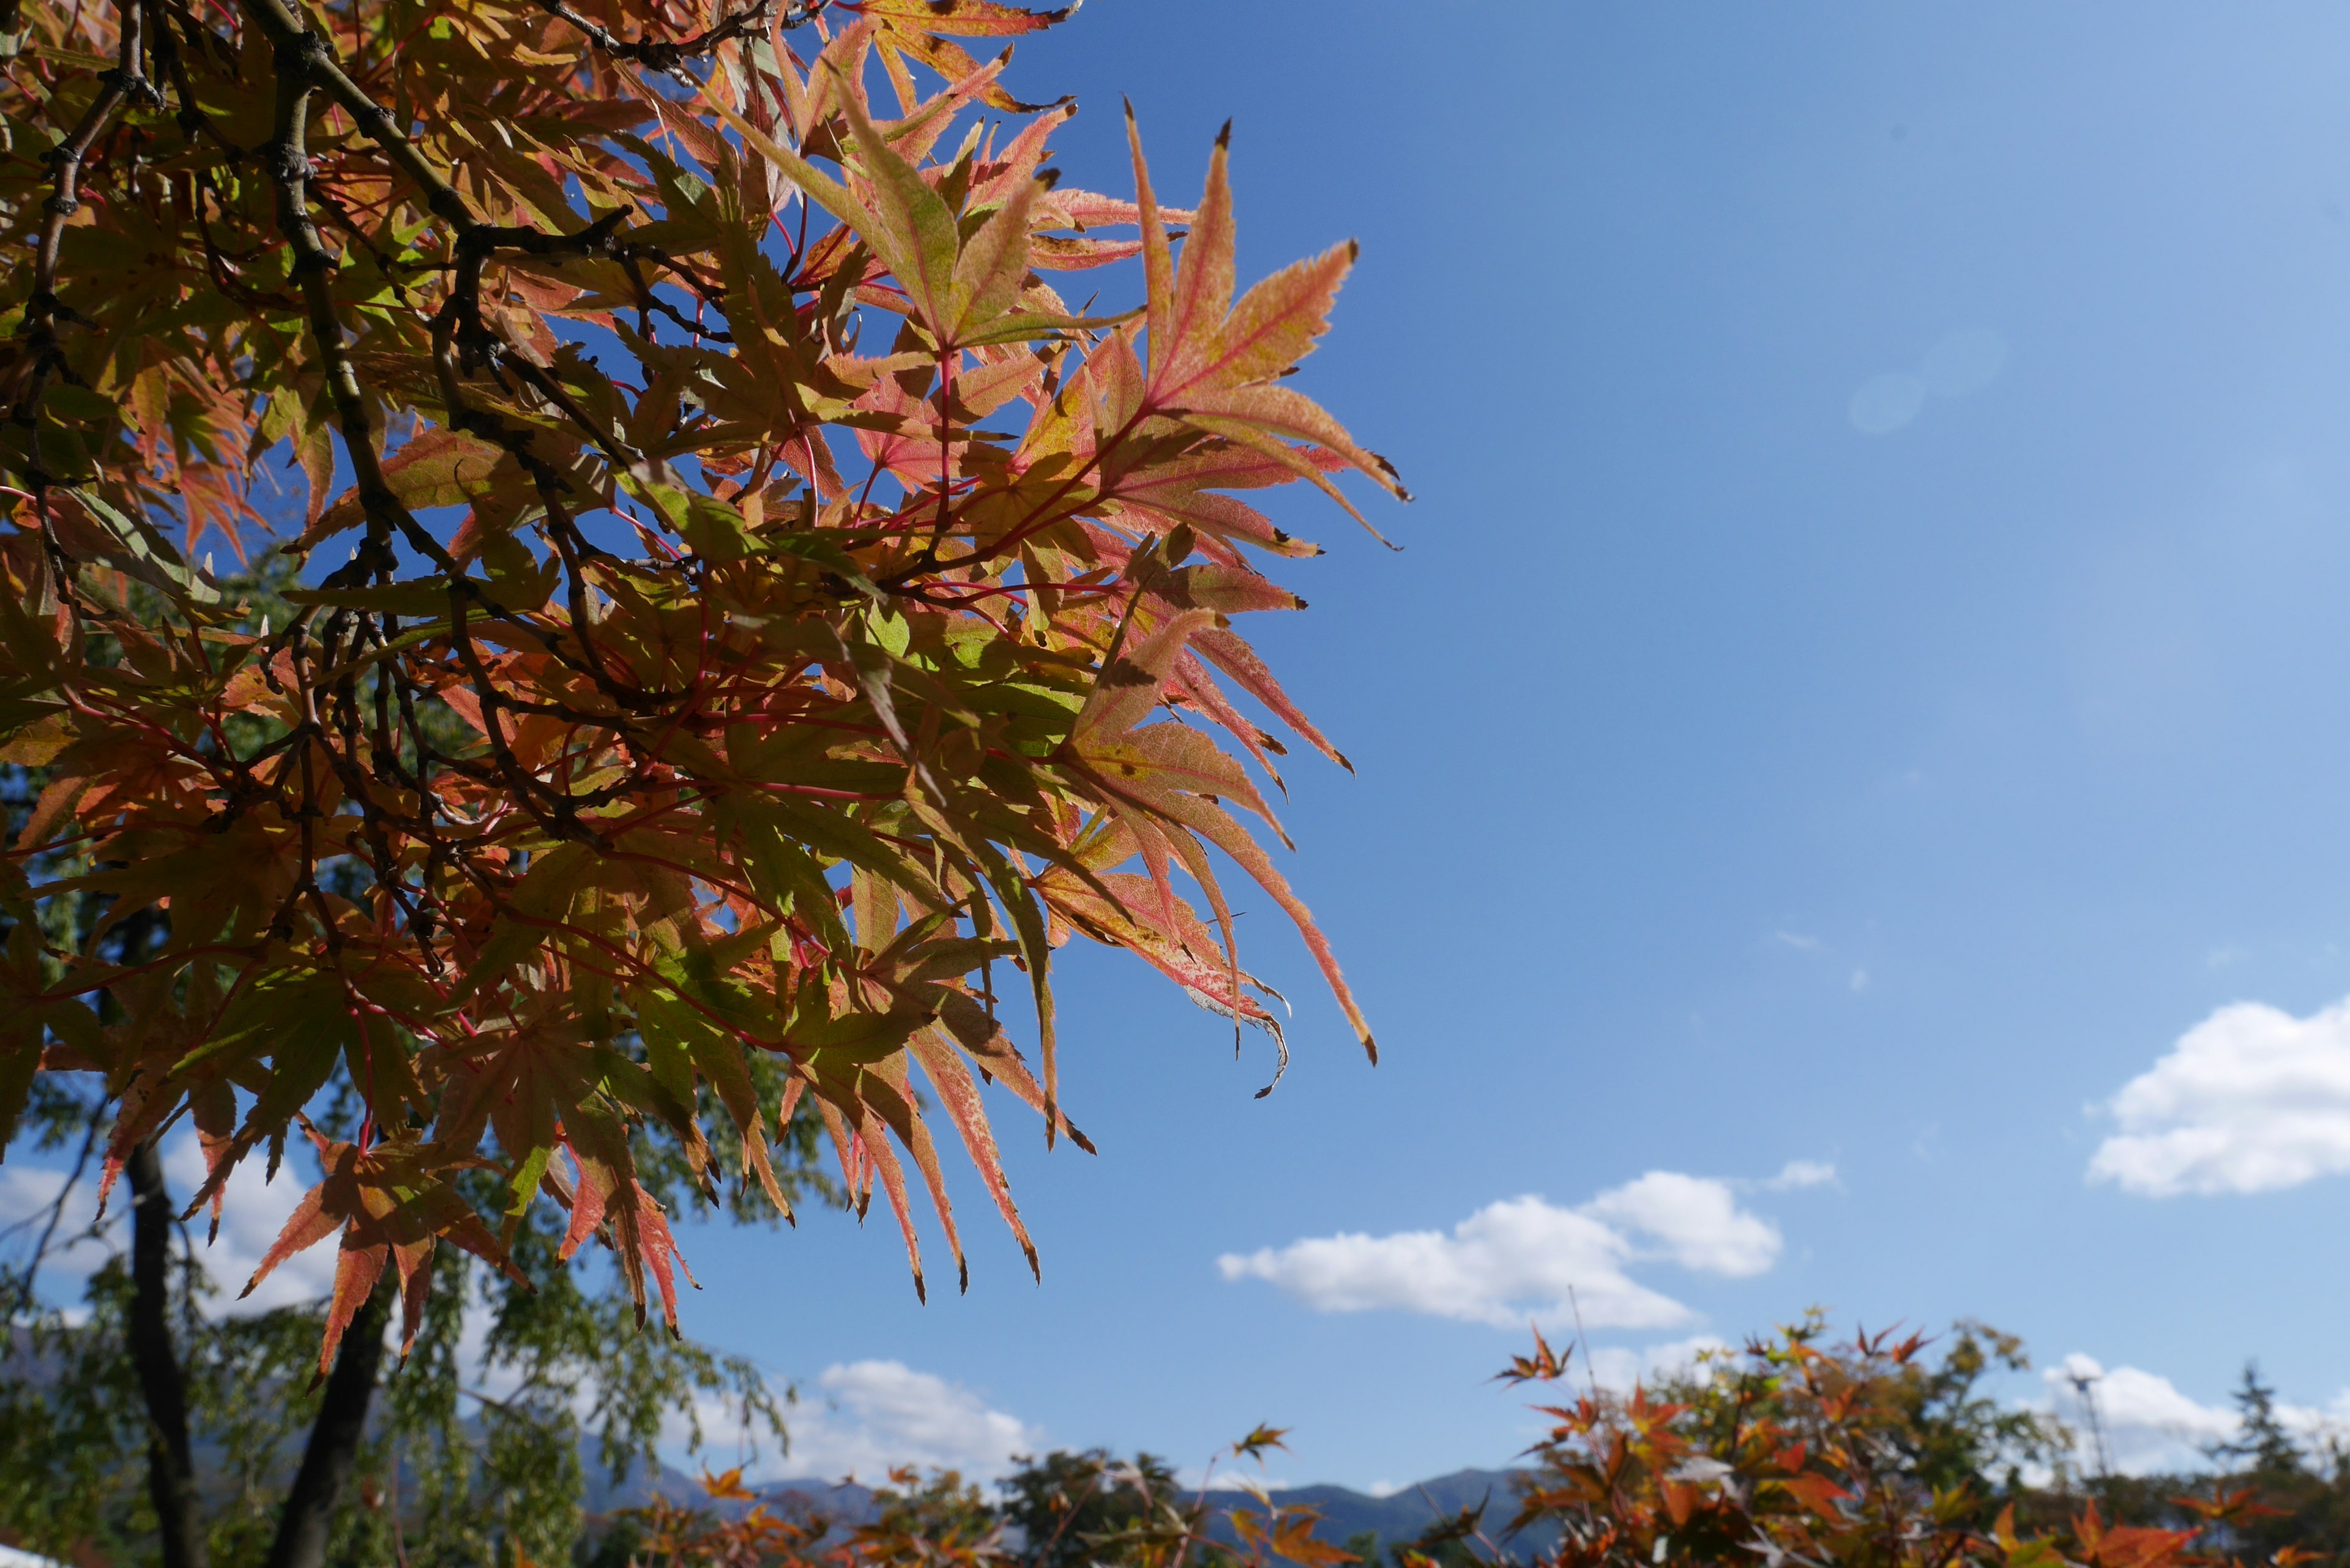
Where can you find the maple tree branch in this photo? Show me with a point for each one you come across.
(538, 379)
(307, 814)
(462, 339)
(667, 56)
(43, 310)
(630, 254)
(299, 56)
(284, 28)
(216, 265)
(573, 548)
(302, 60)
(189, 117)
(557, 817)
(287, 30)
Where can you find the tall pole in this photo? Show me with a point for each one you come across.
(2085, 1384)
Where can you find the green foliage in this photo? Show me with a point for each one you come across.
(1074, 1508)
(468, 1457)
(1945, 1430)
(919, 1521)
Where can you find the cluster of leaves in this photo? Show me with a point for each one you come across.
(1794, 1451)
(710, 706)
(481, 1454)
(1064, 1510)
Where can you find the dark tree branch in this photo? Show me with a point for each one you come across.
(170, 1472)
(669, 56)
(308, 1520)
(301, 56)
(45, 356)
(58, 1208)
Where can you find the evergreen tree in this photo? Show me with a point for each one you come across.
(2261, 1446)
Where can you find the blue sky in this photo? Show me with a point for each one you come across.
(1864, 685)
(1741, 781)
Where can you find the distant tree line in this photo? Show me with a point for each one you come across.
(1794, 1453)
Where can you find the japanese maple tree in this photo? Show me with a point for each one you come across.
(1864, 1454)
(743, 614)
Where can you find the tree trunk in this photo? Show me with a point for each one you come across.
(170, 1474)
(309, 1519)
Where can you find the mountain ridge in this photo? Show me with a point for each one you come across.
(1397, 1516)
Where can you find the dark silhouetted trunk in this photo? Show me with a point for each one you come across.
(308, 1521)
(170, 1474)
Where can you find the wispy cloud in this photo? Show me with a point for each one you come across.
(2249, 1100)
(1801, 1173)
(1526, 1257)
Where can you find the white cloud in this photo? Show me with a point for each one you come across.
(872, 1414)
(1699, 1221)
(2249, 1100)
(1509, 1260)
(255, 1212)
(1798, 1173)
(27, 1194)
(1525, 1256)
(2150, 1426)
(1618, 1368)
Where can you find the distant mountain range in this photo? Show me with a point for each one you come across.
(1399, 1516)
(1405, 1513)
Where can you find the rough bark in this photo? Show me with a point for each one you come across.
(171, 1473)
(309, 1519)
